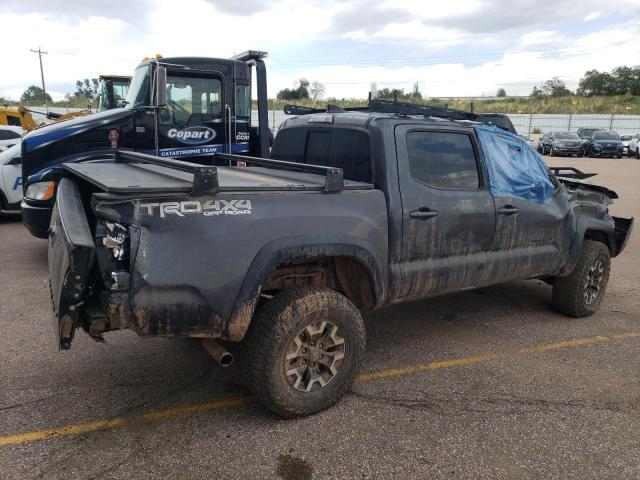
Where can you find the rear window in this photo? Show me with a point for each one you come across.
(13, 121)
(443, 159)
(606, 136)
(566, 135)
(344, 148)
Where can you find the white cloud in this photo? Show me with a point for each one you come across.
(592, 16)
(540, 37)
(85, 44)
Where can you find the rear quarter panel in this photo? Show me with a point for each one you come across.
(196, 270)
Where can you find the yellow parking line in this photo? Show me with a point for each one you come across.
(399, 372)
(103, 424)
(199, 408)
(564, 344)
(61, 431)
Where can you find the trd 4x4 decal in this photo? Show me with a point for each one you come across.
(209, 208)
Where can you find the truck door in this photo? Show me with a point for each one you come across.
(193, 122)
(533, 222)
(448, 214)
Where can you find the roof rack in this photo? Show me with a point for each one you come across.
(402, 108)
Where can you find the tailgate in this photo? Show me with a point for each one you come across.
(71, 254)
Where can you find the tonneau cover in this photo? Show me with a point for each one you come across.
(114, 177)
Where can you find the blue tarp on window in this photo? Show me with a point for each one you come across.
(513, 167)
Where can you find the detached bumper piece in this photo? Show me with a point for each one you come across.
(71, 256)
(623, 229)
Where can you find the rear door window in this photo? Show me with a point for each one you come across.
(443, 160)
(344, 148)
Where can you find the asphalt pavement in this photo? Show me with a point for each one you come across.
(484, 384)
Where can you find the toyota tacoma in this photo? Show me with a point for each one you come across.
(351, 212)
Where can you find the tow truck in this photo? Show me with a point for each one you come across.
(181, 107)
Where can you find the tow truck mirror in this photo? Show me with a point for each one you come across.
(161, 86)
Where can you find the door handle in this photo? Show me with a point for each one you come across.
(423, 213)
(508, 210)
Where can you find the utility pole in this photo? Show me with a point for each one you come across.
(44, 90)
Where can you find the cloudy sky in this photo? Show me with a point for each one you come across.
(455, 48)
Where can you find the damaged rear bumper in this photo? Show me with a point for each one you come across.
(623, 229)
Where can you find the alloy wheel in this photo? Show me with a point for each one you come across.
(314, 356)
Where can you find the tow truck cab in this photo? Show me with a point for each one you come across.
(175, 107)
(112, 91)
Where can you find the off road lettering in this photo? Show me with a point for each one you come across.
(208, 208)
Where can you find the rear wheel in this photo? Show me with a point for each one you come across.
(580, 294)
(303, 350)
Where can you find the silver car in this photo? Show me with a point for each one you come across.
(633, 145)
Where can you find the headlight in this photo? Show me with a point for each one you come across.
(41, 190)
(596, 144)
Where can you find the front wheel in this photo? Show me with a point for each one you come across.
(580, 294)
(303, 350)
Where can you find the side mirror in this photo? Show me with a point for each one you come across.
(17, 160)
(161, 86)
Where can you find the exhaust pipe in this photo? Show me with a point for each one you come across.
(218, 352)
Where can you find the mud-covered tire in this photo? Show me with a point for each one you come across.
(275, 328)
(574, 295)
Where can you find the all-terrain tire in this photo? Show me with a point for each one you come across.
(272, 332)
(575, 295)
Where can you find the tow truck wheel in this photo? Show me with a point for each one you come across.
(580, 294)
(303, 350)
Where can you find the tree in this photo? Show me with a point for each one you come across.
(374, 90)
(536, 92)
(297, 93)
(621, 81)
(34, 94)
(415, 93)
(596, 83)
(87, 88)
(317, 90)
(501, 93)
(626, 80)
(556, 88)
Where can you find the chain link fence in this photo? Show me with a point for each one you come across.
(527, 124)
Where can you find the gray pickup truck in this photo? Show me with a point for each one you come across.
(353, 211)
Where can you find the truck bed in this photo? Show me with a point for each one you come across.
(112, 177)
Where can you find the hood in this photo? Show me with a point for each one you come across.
(584, 185)
(43, 136)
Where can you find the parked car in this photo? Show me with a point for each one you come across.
(634, 146)
(625, 139)
(10, 180)
(9, 135)
(604, 144)
(561, 143)
(353, 211)
(585, 133)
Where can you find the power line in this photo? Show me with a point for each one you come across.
(44, 90)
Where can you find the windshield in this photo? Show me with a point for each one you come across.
(606, 136)
(139, 89)
(587, 132)
(566, 136)
(626, 137)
